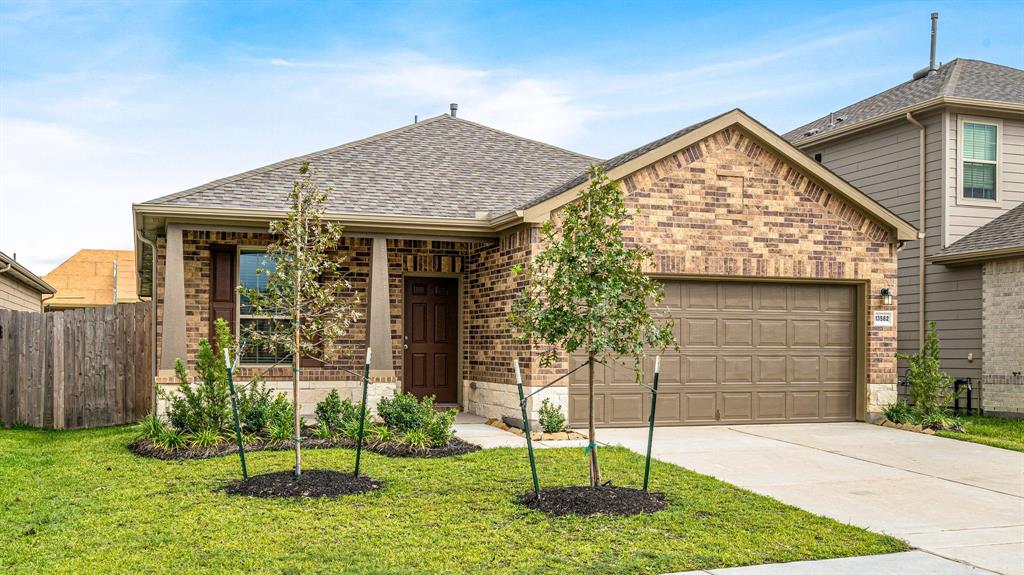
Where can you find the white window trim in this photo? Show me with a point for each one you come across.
(960, 199)
(238, 303)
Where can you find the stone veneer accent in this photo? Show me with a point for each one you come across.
(1002, 389)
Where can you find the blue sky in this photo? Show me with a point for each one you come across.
(105, 104)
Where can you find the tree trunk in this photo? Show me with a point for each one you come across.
(297, 351)
(595, 471)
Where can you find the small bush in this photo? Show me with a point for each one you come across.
(417, 440)
(328, 411)
(379, 434)
(404, 413)
(929, 386)
(898, 412)
(439, 429)
(278, 432)
(169, 439)
(204, 438)
(255, 403)
(150, 427)
(205, 405)
(551, 418)
(323, 432)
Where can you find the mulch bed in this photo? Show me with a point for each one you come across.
(312, 483)
(145, 448)
(603, 500)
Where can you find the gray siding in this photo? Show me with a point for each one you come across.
(883, 163)
(18, 296)
(963, 218)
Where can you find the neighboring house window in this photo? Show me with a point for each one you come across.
(979, 162)
(248, 263)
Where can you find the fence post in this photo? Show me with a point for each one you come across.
(650, 428)
(362, 410)
(526, 427)
(234, 411)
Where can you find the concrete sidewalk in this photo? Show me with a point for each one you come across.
(909, 563)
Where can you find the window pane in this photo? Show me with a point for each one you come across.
(248, 263)
(979, 142)
(257, 354)
(979, 181)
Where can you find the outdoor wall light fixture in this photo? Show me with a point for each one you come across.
(886, 296)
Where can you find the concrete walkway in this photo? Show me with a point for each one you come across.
(909, 563)
(954, 499)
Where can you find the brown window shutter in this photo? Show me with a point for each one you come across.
(223, 282)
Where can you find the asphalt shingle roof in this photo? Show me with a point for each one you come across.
(1006, 231)
(959, 78)
(442, 167)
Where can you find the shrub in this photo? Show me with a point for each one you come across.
(404, 413)
(255, 403)
(929, 386)
(169, 439)
(279, 432)
(439, 429)
(417, 440)
(206, 405)
(898, 412)
(204, 438)
(328, 411)
(323, 432)
(551, 418)
(379, 434)
(150, 426)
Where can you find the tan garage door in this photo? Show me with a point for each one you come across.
(750, 353)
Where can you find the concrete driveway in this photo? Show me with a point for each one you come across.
(955, 499)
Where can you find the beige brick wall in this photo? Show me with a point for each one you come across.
(1003, 336)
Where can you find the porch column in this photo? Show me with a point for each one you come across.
(172, 341)
(382, 364)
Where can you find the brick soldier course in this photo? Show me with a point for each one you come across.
(723, 199)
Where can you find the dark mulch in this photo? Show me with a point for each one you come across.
(456, 447)
(604, 500)
(312, 483)
(146, 448)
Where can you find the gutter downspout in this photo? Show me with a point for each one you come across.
(152, 302)
(922, 225)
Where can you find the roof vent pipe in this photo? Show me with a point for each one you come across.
(454, 108)
(935, 27)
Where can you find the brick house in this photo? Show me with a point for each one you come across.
(774, 269)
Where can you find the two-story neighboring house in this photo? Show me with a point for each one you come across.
(945, 151)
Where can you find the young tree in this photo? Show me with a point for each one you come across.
(930, 387)
(306, 282)
(587, 290)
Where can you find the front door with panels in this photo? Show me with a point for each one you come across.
(431, 338)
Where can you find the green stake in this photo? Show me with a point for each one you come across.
(526, 428)
(362, 410)
(650, 429)
(234, 409)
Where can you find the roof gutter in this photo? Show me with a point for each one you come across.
(986, 105)
(977, 256)
(13, 267)
(922, 225)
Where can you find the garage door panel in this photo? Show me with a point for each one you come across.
(736, 407)
(737, 369)
(736, 332)
(701, 296)
(750, 353)
(805, 333)
(736, 296)
(701, 370)
(804, 405)
(771, 369)
(702, 332)
(771, 297)
(770, 405)
(625, 407)
(701, 407)
(772, 333)
(838, 405)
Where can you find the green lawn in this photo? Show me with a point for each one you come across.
(79, 502)
(994, 431)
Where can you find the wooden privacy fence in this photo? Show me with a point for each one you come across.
(79, 368)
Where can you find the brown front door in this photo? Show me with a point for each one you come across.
(431, 338)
